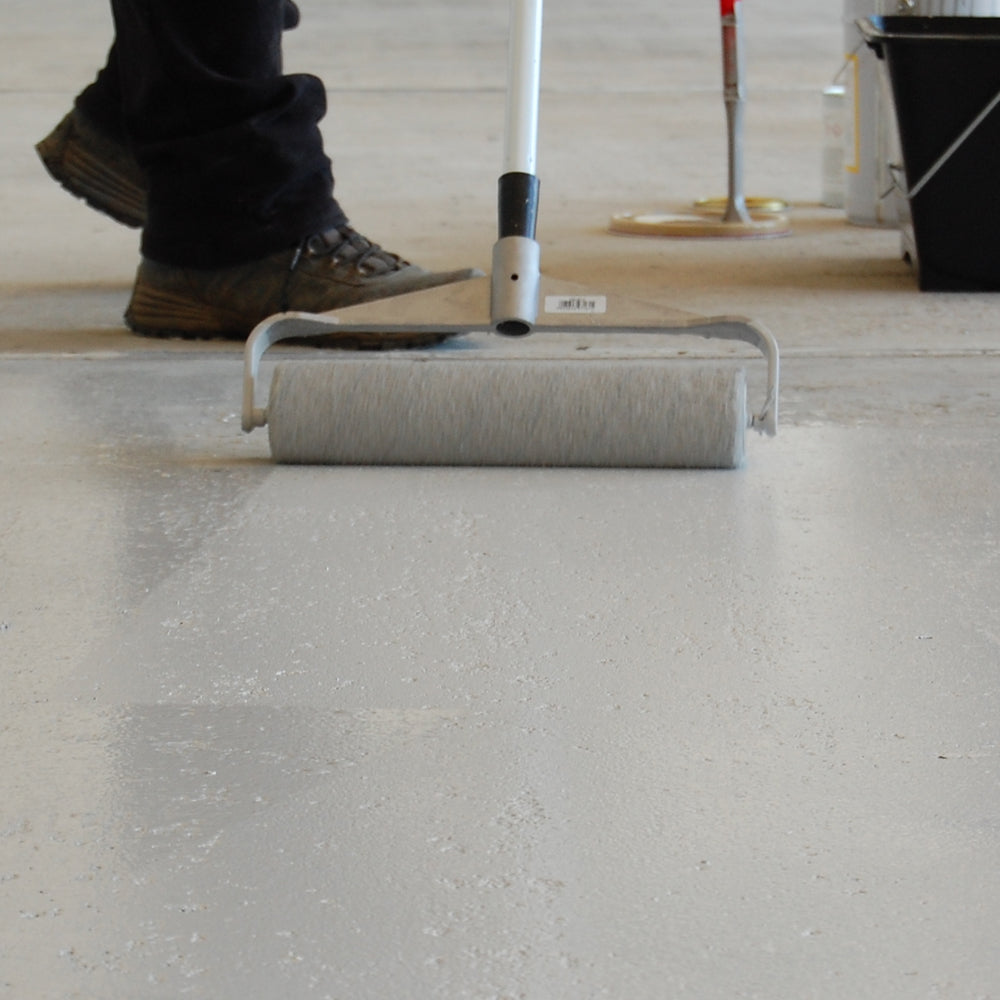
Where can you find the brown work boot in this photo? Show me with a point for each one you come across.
(329, 271)
(97, 168)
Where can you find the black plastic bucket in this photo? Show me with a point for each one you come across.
(945, 77)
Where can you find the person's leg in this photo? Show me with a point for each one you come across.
(230, 146)
(101, 102)
(241, 220)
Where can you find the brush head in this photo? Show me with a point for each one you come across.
(609, 413)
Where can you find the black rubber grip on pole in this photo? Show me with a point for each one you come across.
(518, 205)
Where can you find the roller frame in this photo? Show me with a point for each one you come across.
(515, 288)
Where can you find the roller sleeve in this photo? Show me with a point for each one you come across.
(634, 414)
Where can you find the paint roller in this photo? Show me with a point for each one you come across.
(476, 406)
(479, 407)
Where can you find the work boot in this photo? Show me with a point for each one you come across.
(328, 271)
(97, 168)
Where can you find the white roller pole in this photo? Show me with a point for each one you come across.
(516, 269)
(524, 61)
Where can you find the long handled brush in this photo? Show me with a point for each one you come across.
(737, 216)
(480, 406)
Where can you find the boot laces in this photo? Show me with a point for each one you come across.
(346, 245)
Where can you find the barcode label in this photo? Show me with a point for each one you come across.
(588, 304)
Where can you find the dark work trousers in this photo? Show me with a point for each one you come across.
(230, 146)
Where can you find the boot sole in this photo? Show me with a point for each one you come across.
(153, 313)
(68, 158)
(333, 341)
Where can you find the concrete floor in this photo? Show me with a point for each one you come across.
(371, 733)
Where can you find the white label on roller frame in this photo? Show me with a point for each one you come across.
(588, 305)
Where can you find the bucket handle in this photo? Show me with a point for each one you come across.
(953, 148)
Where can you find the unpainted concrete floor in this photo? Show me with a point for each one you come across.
(456, 733)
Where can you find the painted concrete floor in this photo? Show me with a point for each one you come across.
(428, 733)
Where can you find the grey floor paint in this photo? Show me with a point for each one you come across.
(371, 733)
